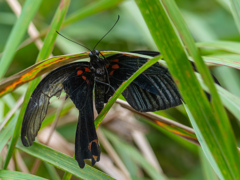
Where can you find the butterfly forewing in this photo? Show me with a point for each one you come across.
(153, 90)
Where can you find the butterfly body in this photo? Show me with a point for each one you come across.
(98, 65)
(152, 90)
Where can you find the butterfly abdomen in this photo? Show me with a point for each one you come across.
(100, 88)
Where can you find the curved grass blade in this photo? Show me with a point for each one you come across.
(223, 61)
(229, 46)
(208, 171)
(11, 83)
(36, 70)
(7, 132)
(28, 11)
(44, 53)
(211, 120)
(6, 175)
(93, 8)
(119, 91)
(62, 161)
(235, 8)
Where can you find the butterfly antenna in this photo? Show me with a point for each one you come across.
(107, 32)
(73, 41)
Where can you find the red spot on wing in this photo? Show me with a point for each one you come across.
(115, 60)
(87, 69)
(111, 73)
(84, 77)
(107, 65)
(79, 72)
(115, 66)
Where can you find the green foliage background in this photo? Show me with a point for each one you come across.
(144, 25)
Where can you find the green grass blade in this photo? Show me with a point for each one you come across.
(201, 138)
(119, 91)
(62, 161)
(229, 61)
(230, 101)
(207, 169)
(229, 46)
(210, 120)
(7, 132)
(67, 176)
(93, 8)
(29, 9)
(52, 171)
(30, 73)
(44, 53)
(235, 7)
(36, 70)
(6, 175)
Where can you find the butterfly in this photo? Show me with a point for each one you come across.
(152, 90)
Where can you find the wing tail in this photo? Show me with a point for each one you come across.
(86, 142)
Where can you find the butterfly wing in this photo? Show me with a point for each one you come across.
(37, 107)
(153, 90)
(79, 87)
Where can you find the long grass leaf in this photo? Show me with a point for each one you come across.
(29, 9)
(211, 121)
(235, 8)
(44, 53)
(6, 175)
(62, 161)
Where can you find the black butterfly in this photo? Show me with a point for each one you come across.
(151, 91)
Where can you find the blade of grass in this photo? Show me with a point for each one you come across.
(93, 8)
(223, 60)
(119, 91)
(67, 176)
(208, 171)
(62, 161)
(44, 53)
(52, 171)
(231, 102)
(201, 140)
(235, 8)
(6, 175)
(30, 73)
(211, 120)
(7, 132)
(29, 9)
(229, 46)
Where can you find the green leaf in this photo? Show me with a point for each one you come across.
(235, 7)
(229, 46)
(124, 85)
(28, 11)
(62, 161)
(44, 53)
(7, 175)
(209, 120)
(93, 8)
(207, 169)
(7, 132)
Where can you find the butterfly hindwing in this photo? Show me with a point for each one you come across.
(37, 107)
(79, 87)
